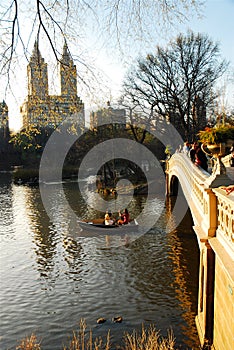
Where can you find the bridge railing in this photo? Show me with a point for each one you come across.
(225, 220)
(192, 180)
(212, 209)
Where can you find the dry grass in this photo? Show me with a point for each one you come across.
(29, 343)
(83, 340)
(147, 339)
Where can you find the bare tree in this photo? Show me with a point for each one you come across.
(22, 22)
(178, 82)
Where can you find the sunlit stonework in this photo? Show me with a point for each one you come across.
(44, 110)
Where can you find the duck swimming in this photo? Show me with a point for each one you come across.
(117, 319)
(101, 320)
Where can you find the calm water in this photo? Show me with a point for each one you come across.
(51, 278)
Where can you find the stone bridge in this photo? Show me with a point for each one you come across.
(212, 210)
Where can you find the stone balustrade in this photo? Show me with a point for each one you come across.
(225, 221)
(192, 180)
(212, 209)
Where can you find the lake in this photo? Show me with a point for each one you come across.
(52, 276)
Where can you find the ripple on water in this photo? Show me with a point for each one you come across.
(52, 278)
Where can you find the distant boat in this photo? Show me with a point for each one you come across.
(98, 226)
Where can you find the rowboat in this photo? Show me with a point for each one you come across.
(98, 226)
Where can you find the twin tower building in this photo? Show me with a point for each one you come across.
(44, 110)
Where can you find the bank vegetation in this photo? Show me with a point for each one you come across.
(147, 339)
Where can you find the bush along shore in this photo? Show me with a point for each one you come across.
(147, 339)
(30, 176)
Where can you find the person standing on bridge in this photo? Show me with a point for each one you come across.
(232, 159)
(192, 152)
(201, 159)
(186, 148)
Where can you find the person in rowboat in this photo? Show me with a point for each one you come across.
(124, 217)
(108, 219)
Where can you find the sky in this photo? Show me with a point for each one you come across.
(216, 21)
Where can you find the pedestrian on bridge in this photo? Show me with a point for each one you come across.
(201, 159)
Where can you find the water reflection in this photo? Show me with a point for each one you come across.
(184, 253)
(6, 212)
(73, 253)
(44, 235)
(65, 277)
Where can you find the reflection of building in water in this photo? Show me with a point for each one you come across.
(42, 109)
(36, 221)
(46, 236)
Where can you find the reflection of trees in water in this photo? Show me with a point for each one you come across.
(184, 253)
(137, 205)
(75, 199)
(84, 211)
(73, 256)
(147, 260)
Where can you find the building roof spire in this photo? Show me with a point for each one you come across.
(66, 56)
(36, 53)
